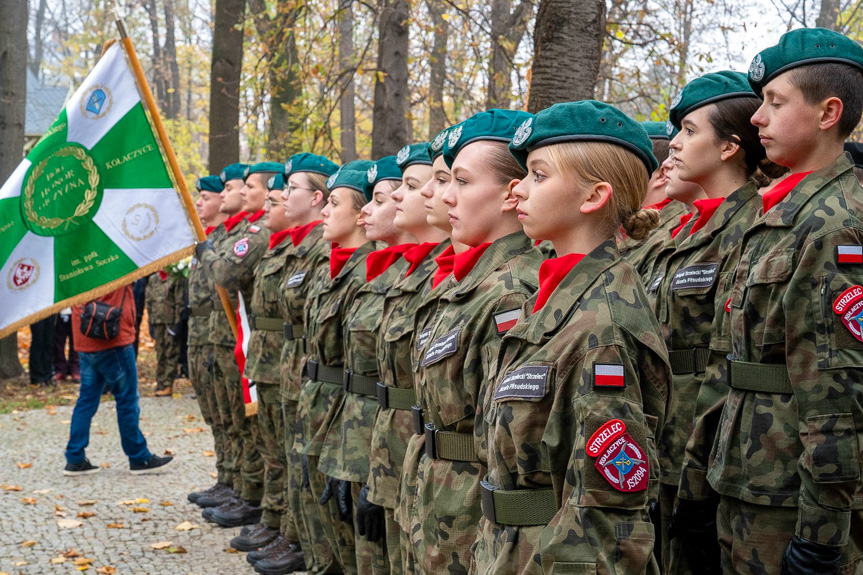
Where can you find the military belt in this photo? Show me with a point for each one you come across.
(201, 311)
(417, 416)
(517, 506)
(395, 398)
(686, 361)
(320, 372)
(294, 330)
(449, 445)
(266, 323)
(359, 384)
(762, 377)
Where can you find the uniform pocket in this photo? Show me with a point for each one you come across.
(766, 284)
(573, 568)
(832, 450)
(634, 547)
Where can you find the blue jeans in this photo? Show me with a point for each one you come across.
(115, 368)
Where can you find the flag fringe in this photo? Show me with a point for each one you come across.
(97, 292)
(252, 409)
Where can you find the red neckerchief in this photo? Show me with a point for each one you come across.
(782, 189)
(705, 209)
(444, 262)
(659, 205)
(256, 216)
(551, 272)
(163, 275)
(209, 230)
(338, 258)
(417, 253)
(232, 222)
(684, 219)
(278, 237)
(298, 234)
(465, 261)
(379, 261)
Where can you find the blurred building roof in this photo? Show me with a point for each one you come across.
(43, 105)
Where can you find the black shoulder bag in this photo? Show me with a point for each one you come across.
(100, 320)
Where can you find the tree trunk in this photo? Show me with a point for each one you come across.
(172, 69)
(286, 128)
(684, 15)
(225, 84)
(437, 66)
(38, 44)
(389, 115)
(507, 30)
(13, 90)
(567, 45)
(828, 16)
(158, 63)
(347, 107)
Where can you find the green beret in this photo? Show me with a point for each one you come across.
(800, 48)
(306, 162)
(856, 151)
(263, 168)
(210, 184)
(493, 125)
(414, 154)
(352, 175)
(656, 130)
(584, 121)
(233, 172)
(387, 168)
(436, 145)
(708, 89)
(276, 182)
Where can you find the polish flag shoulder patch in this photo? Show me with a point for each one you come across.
(254, 229)
(849, 254)
(505, 320)
(849, 307)
(241, 247)
(608, 375)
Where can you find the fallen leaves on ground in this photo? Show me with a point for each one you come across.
(86, 514)
(72, 553)
(193, 429)
(28, 543)
(28, 500)
(161, 545)
(22, 465)
(177, 549)
(57, 560)
(186, 526)
(105, 465)
(88, 502)
(7, 487)
(42, 491)
(115, 526)
(209, 453)
(82, 561)
(169, 451)
(166, 504)
(106, 570)
(140, 510)
(69, 523)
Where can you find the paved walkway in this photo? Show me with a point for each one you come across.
(148, 508)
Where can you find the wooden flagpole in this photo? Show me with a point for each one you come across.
(169, 152)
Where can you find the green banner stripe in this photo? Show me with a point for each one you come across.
(86, 259)
(53, 137)
(12, 227)
(128, 156)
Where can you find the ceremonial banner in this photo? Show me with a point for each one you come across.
(94, 205)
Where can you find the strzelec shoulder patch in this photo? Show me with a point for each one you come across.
(528, 382)
(241, 247)
(624, 464)
(849, 307)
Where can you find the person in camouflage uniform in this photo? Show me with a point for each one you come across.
(580, 394)
(304, 196)
(393, 424)
(322, 391)
(718, 149)
(201, 303)
(495, 276)
(164, 305)
(347, 446)
(232, 263)
(786, 461)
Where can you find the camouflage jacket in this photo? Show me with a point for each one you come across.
(693, 291)
(593, 355)
(799, 449)
(394, 427)
(639, 252)
(302, 264)
(347, 447)
(164, 300)
(325, 308)
(265, 346)
(202, 296)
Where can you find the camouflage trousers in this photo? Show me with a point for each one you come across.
(407, 512)
(409, 563)
(339, 534)
(167, 355)
(201, 375)
(394, 544)
(371, 556)
(270, 438)
(753, 538)
(673, 560)
(244, 457)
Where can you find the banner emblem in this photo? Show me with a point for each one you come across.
(96, 102)
(23, 274)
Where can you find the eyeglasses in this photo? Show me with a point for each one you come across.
(291, 187)
(268, 203)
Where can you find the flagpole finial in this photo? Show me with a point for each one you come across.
(118, 20)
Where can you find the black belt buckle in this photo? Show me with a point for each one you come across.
(252, 321)
(417, 416)
(312, 369)
(487, 494)
(383, 395)
(346, 380)
(695, 361)
(289, 330)
(431, 451)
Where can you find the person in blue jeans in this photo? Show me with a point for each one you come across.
(110, 363)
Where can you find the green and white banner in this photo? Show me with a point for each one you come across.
(93, 206)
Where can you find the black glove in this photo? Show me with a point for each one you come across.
(201, 247)
(341, 490)
(694, 524)
(306, 483)
(329, 489)
(370, 517)
(804, 557)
